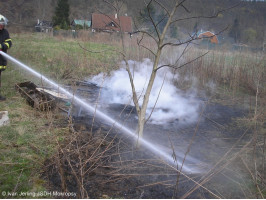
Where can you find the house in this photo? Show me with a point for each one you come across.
(80, 23)
(44, 26)
(209, 36)
(111, 23)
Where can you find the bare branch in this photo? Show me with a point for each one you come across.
(175, 67)
(205, 17)
(192, 38)
(113, 50)
(150, 35)
(148, 49)
(189, 146)
(135, 98)
(117, 9)
(152, 20)
(139, 43)
(156, 99)
(161, 20)
(185, 8)
(140, 30)
(180, 43)
(182, 54)
(110, 4)
(163, 7)
(216, 168)
(162, 36)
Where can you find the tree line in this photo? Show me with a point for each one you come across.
(245, 23)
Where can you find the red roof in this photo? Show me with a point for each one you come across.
(111, 22)
(213, 38)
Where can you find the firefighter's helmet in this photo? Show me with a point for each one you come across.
(3, 20)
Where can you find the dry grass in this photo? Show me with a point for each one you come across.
(237, 73)
(84, 156)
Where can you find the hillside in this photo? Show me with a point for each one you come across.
(248, 17)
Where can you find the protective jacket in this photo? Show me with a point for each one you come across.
(5, 43)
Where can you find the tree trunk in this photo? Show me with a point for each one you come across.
(142, 113)
(141, 122)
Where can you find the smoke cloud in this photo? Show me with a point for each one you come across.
(172, 104)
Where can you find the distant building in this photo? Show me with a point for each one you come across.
(111, 23)
(44, 26)
(208, 36)
(85, 24)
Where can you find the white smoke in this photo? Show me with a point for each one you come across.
(172, 103)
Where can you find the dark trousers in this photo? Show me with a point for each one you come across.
(0, 81)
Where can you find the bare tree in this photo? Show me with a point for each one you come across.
(158, 35)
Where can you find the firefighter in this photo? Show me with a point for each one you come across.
(5, 43)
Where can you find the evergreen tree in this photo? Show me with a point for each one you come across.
(61, 17)
(235, 31)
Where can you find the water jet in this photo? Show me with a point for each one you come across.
(101, 115)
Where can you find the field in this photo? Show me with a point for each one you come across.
(37, 148)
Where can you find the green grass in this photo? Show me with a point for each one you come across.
(31, 137)
(25, 143)
(64, 59)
